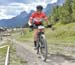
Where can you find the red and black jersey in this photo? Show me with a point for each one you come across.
(38, 17)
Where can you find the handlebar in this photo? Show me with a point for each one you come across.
(48, 26)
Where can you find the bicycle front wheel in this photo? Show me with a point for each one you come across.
(43, 48)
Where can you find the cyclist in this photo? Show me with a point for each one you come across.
(36, 19)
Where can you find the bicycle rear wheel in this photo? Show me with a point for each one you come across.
(43, 48)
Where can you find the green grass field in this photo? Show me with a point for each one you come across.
(14, 59)
(61, 38)
(2, 55)
(62, 33)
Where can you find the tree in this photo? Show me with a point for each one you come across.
(55, 15)
(73, 9)
(64, 14)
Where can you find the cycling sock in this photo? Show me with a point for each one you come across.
(35, 43)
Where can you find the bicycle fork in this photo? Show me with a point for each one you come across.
(40, 44)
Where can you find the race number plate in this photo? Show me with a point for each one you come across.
(41, 27)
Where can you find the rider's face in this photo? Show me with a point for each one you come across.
(38, 11)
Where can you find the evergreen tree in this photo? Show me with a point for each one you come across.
(73, 8)
(64, 14)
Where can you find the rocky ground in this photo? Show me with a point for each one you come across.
(28, 54)
(24, 54)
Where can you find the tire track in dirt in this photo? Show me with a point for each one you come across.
(28, 54)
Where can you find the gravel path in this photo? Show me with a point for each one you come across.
(28, 54)
(3, 41)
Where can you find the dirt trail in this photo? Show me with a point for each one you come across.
(3, 41)
(28, 54)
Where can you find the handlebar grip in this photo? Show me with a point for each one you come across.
(49, 26)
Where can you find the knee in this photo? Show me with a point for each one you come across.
(35, 35)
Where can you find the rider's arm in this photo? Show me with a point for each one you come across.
(31, 18)
(47, 22)
(46, 18)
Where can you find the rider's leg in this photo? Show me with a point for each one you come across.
(35, 36)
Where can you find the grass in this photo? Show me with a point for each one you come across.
(2, 55)
(14, 59)
(58, 40)
(64, 34)
(2, 51)
(28, 35)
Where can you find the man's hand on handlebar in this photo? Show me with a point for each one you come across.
(31, 26)
(49, 26)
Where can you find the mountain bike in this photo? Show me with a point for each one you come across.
(41, 47)
(41, 42)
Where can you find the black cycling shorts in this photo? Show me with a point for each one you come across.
(36, 26)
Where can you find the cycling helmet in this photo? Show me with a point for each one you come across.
(39, 7)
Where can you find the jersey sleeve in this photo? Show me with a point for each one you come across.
(32, 16)
(45, 17)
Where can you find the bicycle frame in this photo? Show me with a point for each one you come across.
(40, 34)
(41, 31)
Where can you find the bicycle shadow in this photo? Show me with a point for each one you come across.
(59, 59)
